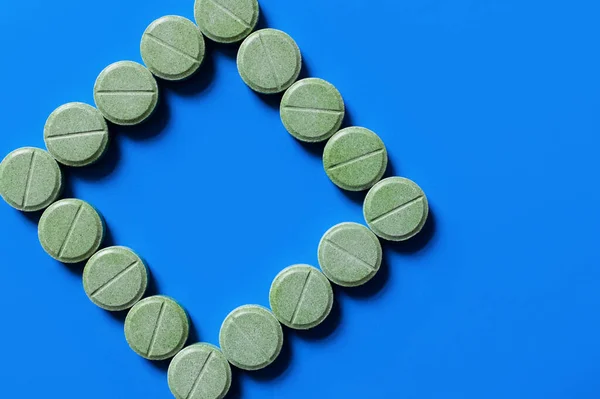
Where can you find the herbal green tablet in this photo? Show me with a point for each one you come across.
(115, 278)
(251, 337)
(76, 134)
(199, 371)
(70, 230)
(349, 254)
(156, 327)
(226, 21)
(126, 93)
(355, 158)
(172, 47)
(396, 209)
(269, 61)
(30, 179)
(312, 110)
(301, 297)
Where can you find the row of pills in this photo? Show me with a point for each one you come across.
(115, 278)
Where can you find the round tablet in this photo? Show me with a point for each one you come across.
(355, 158)
(156, 327)
(126, 93)
(312, 110)
(199, 371)
(70, 230)
(226, 21)
(115, 278)
(269, 61)
(172, 47)
(76, 134)
(30, 179)
(349, 254)
(301, 297)
(396, 209)
(251, 337)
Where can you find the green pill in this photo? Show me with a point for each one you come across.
(355, 158)
(251, 337)
(30, 179)
(269, 61)
(301, 297)
(126, 93)
(396, 209)
(76, 134)
(172, 47)
(70, 230)
(115, 278)
(349, 254)
(312, 110)
(226, 21)
(156, 327)
(199, 371)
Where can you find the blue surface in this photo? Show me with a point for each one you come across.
(492, 106)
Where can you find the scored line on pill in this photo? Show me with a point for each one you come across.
(342, 249)
(70, 232)
(316, 110)
(301, 298)
(172, 48)
(28, 179)
(75, 134)
(199, 377)
(154, 336)
(396, 209)
(231, 14)
(357, 159)
(270, 60)
(121, 92)
(250, 341)
(110, 282)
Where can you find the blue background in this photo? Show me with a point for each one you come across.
(492, 106)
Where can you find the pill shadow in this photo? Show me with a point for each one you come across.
(229, 50)
(327, 328)
(235, 390)
(276, 369)
(418, 242)
(199, 82)
(103, 167)
(151, 127)
(314, 149)
(373, 286)
(31, 217)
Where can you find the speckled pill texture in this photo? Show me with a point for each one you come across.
(115, 278)
(396, 209)
(226, 21)
(126, 93)
(349, 254)
(172, 47)
(301, 297)
(156, 327)
(71, 230)
(312, 110)
(251, 337)
(30, 179)
(355, 158)
(269, 61)
(76, 134)
(199, 371)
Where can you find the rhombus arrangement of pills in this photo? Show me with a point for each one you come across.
(115, 278)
